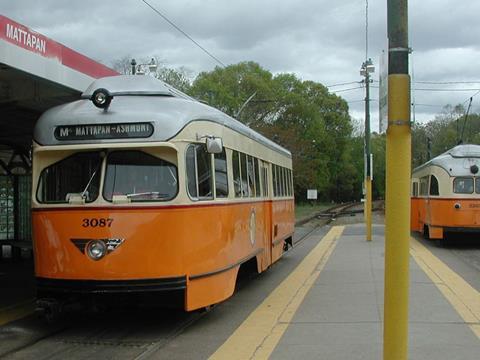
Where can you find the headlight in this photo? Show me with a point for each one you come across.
(101, 98)
(96, 249)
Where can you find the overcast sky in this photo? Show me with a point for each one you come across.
(317, 40)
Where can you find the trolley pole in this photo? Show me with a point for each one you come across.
(367, 68)
(397, 234)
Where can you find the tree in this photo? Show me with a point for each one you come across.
(300, 115)
(443, 133)
(228, 88)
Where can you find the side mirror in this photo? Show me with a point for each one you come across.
(214, 145)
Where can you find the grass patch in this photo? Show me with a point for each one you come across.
(303, 211)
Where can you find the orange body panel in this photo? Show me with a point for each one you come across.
(440, 213)
(207, 242)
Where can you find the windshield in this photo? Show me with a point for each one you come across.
(140, 177)
(78, 175)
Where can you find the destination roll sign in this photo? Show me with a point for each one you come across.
(103, 131)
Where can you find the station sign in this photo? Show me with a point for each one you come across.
(103, 131)
(28, 39)
(25, 38)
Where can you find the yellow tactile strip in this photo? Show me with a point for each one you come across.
(463, 297)
(258, 335)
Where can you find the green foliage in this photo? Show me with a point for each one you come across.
(178, 78)
(444, 132)
(378, 148)
(300, 115)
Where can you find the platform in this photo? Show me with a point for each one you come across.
(322, 300)
(331, 306)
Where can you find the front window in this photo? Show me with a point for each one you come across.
(140, 177)
(77, 175)
(463, 185)
(477, 185)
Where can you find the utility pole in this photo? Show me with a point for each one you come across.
(397, 211)
(365, 70)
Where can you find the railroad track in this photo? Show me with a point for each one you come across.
(326, 217)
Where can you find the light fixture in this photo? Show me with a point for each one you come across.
(96, 249)
(101, 98)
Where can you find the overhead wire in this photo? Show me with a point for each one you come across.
(446, 82)
(433, 89)
(349, 89)
(341, 84)
(183, 33)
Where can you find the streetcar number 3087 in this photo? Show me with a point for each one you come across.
(97, 222)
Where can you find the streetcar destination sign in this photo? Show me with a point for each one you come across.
(103, 131)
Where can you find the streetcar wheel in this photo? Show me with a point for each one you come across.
(51, 309)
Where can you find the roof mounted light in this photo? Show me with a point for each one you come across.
(474, 169)
(101, 98)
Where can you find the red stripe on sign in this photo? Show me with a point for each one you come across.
(85, 65)
(21, 36)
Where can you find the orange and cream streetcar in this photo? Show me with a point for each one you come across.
(446, 193)
(140, 189)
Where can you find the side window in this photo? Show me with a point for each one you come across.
(463, 185)
(243, 172)
(424, 186)
(274, 178)
(251, 176)
(290, 189)
(237, 179)
(277, 181)
(221, 179)
(415, 189)
(291, 182)
(264, 176)
(266, 189)
(433, 185)
(258, 192)
(199, 172)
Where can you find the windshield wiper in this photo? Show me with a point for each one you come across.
(153, 194)
(88, 184)
(93, 175)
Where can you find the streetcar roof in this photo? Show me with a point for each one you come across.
(456, 161)
(138, 99)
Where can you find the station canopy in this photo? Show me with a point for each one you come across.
(36, 73)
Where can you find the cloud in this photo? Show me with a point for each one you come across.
(317, 40)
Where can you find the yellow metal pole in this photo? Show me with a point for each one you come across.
(397, 210)
(368, 207)
(397, 234)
